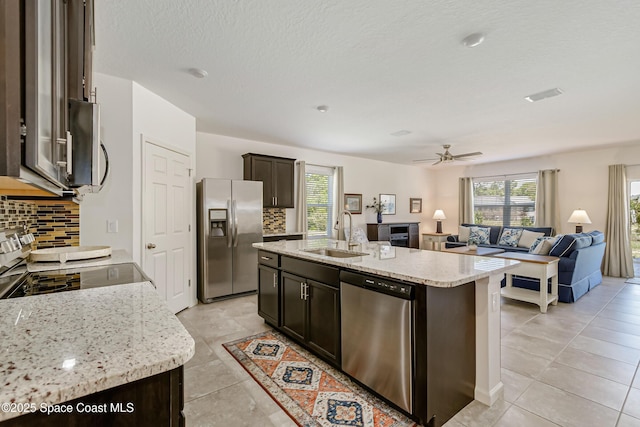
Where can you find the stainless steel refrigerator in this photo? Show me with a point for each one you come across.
(229, 220)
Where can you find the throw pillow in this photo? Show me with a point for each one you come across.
(528, 237)
(479, 235)
(563, 246)
(542, 245)
(510, 237)
(463, 233)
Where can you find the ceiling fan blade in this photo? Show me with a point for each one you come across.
(422, 160)
(439, 161)
(477, 153)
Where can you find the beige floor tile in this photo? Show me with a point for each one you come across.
(203, 354)
(625, 307)
(523, 362)
(514, 384)
(554, 332)
(632, 405)
(611, 313)
(564, 408)
(625, 301)
(475, 414)
(615, 325)
(628, 421)
(636, 380)
(598, 365)
(533, 345)
(453, 423)
(207, 378)
(281, 419)
(606, 349)
(516, 416)
(231, 406)
(584, 384)
(621, 338)
(552, 321)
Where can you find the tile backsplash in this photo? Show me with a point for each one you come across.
(52, 222)
(274, 220)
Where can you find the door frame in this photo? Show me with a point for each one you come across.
(144, 140)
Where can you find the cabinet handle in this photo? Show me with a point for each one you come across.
(301, 290)
(306, 291)
(276, 200)
(273, 201)
(275, 279)
(266, 258)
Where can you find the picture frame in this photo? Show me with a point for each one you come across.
(353, 203)
(415, 205)
(389, 201)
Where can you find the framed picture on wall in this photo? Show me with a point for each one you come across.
(415, 205)
(353, 203)
(389, 202)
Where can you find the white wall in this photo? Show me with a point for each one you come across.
(129, 111)
(221, 157)
(583, 181)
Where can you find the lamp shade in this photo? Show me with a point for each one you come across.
(579, 216)
(439, 214)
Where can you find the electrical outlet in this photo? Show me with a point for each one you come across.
(112, 226)
(495, 301)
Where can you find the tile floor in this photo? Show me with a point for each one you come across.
(577, 365)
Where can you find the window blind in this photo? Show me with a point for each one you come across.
(319, 184)
(505, 200)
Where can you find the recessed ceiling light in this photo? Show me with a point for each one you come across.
(473, 40)
(401, 133)
(322, 108)
(544, 94)
(198, 73)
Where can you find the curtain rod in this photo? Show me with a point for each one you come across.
(513, 174)
(312, 164)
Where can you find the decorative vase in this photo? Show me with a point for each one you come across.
(379, 217)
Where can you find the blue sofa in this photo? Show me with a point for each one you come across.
(494, 237)
(578, 269)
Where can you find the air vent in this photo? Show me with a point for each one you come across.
(545, 94)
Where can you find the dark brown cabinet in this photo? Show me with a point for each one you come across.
(269, 287)
(404, 234)
(53, 41)
(310, 306)
(277, 175)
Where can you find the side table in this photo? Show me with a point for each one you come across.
(433, 239)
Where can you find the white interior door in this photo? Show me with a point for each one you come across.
(166, 213)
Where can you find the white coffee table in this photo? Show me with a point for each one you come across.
(537, 266)
(434, 239)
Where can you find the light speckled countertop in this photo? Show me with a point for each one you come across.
(61, 346)
(441, 269)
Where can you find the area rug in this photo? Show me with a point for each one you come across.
(311, 391)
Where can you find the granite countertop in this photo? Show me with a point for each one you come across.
(430, 268)
(118, 256)
(61, 346)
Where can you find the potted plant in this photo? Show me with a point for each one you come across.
(378, 207)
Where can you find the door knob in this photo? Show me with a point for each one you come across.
(151, 245)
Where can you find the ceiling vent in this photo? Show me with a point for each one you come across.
(545, 94)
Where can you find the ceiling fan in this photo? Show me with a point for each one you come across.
(448, 157)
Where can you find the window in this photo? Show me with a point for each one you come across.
(319, 182)
(507, 200)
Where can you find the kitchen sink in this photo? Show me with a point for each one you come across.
(335, 253)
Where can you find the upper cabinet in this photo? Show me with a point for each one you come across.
(54, 41)
(277, 175)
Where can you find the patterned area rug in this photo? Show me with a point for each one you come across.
(308, 389)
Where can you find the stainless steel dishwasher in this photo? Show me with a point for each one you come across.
(377, 324)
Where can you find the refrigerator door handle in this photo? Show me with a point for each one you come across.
(235, 224)
(229, 229)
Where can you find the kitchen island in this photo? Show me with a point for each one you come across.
(455, 340)
(95, 355)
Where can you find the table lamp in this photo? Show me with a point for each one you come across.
(439, 215)
(579, 217)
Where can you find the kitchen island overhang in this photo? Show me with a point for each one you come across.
(431, 272)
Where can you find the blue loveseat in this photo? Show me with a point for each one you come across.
(578, 269)
(495, 231)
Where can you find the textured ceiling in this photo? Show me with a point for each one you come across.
(383, 66)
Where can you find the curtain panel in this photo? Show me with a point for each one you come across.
(301, 200)
(465, 205)
(618, 260)
(547, 212)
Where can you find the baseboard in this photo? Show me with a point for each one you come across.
(491, 397)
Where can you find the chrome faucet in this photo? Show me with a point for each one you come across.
(341, 218)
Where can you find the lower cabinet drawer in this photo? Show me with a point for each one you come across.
(268, 258)
(311, 270)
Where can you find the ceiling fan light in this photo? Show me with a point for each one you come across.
(473, 40)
